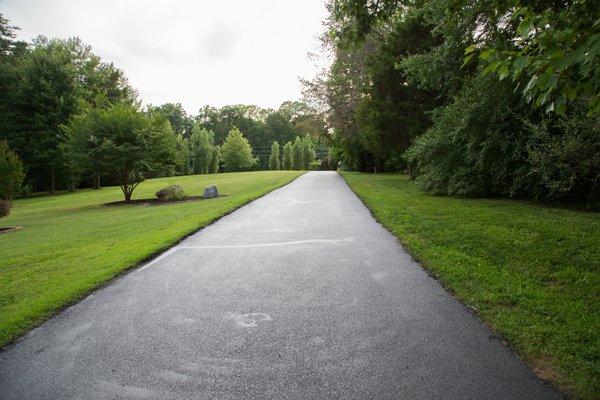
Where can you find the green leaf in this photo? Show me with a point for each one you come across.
(470, 49)
(491, 68)
(486, 54)
(519, 64)
(525, 26)
(467, 59)
(503, 71)
(530, 84)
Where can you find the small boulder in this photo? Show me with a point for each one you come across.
(170, 192)
(210, 192)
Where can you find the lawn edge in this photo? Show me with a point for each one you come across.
(563, 391)
(132, 268)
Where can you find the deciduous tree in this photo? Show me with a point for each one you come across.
(236, 152)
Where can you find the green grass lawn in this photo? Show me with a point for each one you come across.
(532, 273)
(71, 243)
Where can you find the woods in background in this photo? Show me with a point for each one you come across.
(484, 98)
(73, 119)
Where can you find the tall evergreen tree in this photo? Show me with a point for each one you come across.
(298, 154)
(274, 157)
(308, 152)
(288, 156)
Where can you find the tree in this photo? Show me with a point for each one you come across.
(181, 123)
(11, 177)
(54, 79)
(308, 152)
(214, 160)
(236, 152)
(551, 49)
(298, 154)
(83, 145)
(491, 98)
(201, 143)
(288, 155)
(130, 145)
(274, 158)
(182, 160)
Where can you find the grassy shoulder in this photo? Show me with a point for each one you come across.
(72, 243)
(532, 273)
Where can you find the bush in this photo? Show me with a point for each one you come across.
(25, 192)
(395, 163)
(565, 160)
(314, 165)
(477, 145)
(4, 208)
(11, 177)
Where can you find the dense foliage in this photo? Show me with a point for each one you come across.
(236, 152)
(11, 177)
(483, 98)
(123, 143)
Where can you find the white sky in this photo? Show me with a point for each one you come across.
(194, 52)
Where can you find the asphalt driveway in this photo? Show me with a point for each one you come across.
(299, 295)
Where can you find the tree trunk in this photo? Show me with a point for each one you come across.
(127, 196)
(96, 183)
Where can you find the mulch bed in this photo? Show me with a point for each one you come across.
(156, 201)
(10, 229)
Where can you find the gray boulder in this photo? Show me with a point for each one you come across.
(210, 192)
(170, 192)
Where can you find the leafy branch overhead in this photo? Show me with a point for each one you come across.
(553, 55)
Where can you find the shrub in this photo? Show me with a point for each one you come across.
(480, 147)
(565, 160)
(4, 208)
(25, 192)
(11, 177)
(314, 165)
(395, 163)
(477, 145)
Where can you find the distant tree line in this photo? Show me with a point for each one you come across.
(70, 119)
(478, 98)
(299, 155)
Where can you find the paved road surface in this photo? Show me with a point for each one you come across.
(298, 295)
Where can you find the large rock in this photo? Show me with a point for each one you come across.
(210, 192)
(170, 192)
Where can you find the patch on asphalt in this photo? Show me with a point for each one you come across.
(250, 320)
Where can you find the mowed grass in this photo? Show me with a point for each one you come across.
(531, 272)
(71, 243)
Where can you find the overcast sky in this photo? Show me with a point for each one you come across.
(194, 52)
